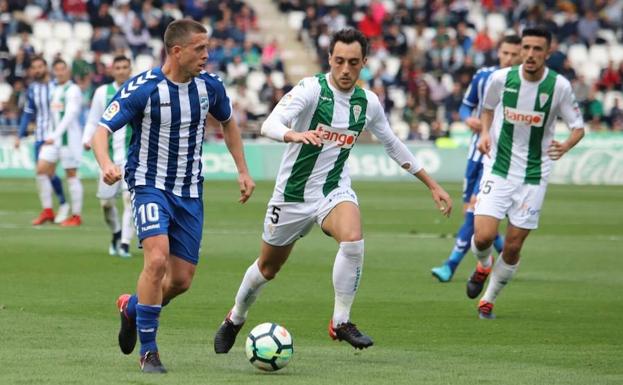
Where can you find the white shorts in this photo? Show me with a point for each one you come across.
(285, 222)
(500, 197)
(106, 191)
(69, 156)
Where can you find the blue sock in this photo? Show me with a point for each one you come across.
(498, 243)
(57, 185)
(463, 240)
(147, 325)
(130, 310)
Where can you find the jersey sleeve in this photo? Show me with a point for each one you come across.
(220, 107)
(394, 147)
(29, 111)
(30, 106)
(123, 107)
(569, 109)
(95, 113)
(471, 95)
(300, 97)
(493, 90)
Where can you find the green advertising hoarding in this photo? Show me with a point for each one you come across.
(598, 160)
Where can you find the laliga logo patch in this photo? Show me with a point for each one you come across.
(111, 111)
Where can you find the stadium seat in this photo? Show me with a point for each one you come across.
(447, 81)
(598, 53)
(577, 54)
(591, 71)
(5, 92)
(107, 59)
(255, 80)
(278, 78)
(608, 35)
(616, 53)
(32, 12)
(392, 65)
(397, 95)
(295, 20)
(71, 47)
(496, 23)
(62, 31)
(142, 63)
(400, 128)
(424, 129)
(156, 46)
(51, 48)
(42, 30)
(411, 35)
(373, 64)
(83, 31)
(13, 42)
(477, 19)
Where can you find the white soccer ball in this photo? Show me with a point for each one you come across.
(269, 347)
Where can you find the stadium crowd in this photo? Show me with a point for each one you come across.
(423, 53)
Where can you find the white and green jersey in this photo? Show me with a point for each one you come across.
(308, 172)
(524, 120)
(65, 106)
(120, 139)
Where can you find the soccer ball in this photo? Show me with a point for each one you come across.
(269, 347)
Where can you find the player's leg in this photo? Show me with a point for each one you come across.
(107, 196)
(343, 223)
(48, 156)
(57, 184)
(76, 195)
(127, 226)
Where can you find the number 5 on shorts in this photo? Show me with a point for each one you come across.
(148, 212)
(275, 215)
(486, 187)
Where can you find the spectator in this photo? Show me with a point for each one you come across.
(452, 103)
(616, 116)
(610, 77)
(102, 19)
(138, 38)
(369, 26)
(588, 26)
(100, 41)
(237, 70)
(271, 57)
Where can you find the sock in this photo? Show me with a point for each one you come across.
(501, 274)
(346, 276)
(110, 215)
(57, 185)
(498, 243)
(250, 288)
(127, 225)
(75, 192)
(482, 255)
(130, 309)
(463, 240)
(147, 325)
(45, 190)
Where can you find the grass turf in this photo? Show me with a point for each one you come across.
(559, 321)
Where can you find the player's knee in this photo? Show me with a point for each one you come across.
(351, 236)
(107, 203)
(512, 247)
(269, 270)
(352, 249)
(180, 285)
(482, 240)
(155, 266)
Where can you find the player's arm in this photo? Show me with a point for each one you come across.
(277, 124)
(399, 152)
(570, 113)
(72, 112)
(469, 104)
(492, 97)
(111, 173)
(95, 113)
(221, 110)
(27, 116)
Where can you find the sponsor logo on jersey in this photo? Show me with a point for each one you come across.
(529, 118)
(111, 111)
(343, 138)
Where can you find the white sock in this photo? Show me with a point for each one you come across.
(45, 190)
(110, 214)
(127, 226)
(482, 255)
(347, 271)
(250, 287)
(75, 190)
(501, 274)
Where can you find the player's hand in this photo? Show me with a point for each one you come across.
(442, 200)
(484, 144)
(87, 146)
(474, 124)
(308, 137)
(246, 187)
(111, 174)
(48, 141)
(557, 149)
(17, 142)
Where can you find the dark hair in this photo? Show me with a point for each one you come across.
(177, 32)
(539, 32)
(119, 58)
(38, 58)
(59, 61)
(348, 36)
(511, 39)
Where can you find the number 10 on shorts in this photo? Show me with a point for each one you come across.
(148, 212)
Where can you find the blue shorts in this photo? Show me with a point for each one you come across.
(158, 212)
(471, 183)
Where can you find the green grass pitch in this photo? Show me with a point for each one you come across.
(559, 322)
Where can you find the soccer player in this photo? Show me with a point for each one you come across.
(320, 119)
(63, 143)
(508, 55)
(121, 232)
(166, 109)
(38, 107)
(519, 113)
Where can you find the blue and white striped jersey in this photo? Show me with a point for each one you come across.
(38, 104)
(167, 121)
(473, 99)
